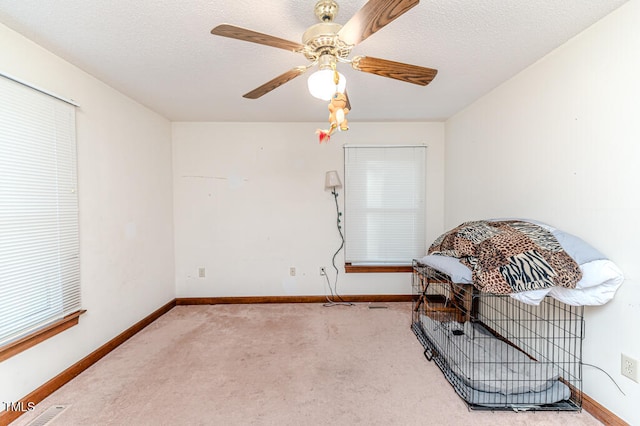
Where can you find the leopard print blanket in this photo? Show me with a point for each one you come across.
(509, 256)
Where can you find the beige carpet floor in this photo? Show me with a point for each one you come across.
(280, 364)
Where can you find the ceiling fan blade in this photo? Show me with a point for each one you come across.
(374, 15)
(275, 83)
(385, 68)
(231, 31)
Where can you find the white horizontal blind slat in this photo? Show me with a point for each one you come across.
(39, 249)
(384, 204)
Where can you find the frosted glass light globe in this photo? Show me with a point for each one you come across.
(321, 84)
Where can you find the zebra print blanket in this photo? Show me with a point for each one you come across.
(509, 256)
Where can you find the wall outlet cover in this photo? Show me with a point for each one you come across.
(629, 367)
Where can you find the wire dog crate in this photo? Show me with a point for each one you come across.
(499, 353)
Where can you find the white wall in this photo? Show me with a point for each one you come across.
(560, 143)
(125, 200)
(250, 203)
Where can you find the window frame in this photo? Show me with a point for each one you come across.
(351, 268)
(372, 267)
(64, 307)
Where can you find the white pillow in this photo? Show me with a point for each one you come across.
(451, 266)
(531, 297)
(581, 251)
(600, 272)
(599, 283)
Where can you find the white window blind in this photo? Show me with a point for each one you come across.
(384, 204)
(39, 250)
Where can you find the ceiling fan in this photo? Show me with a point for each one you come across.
(327, 43)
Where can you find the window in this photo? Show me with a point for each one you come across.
(39, 250)
(384, 206)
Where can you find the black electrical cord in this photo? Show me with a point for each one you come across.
(341, 301)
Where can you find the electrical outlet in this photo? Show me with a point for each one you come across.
(629, 367)
(323, 271)
(202, 272)
(292, 271)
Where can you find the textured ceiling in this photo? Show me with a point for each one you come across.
(161, 52)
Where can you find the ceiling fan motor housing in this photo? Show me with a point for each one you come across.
(321, 39)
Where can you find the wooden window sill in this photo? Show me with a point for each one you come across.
(349, 268)
(40, 335)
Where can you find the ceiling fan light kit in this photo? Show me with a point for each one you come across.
(327, 81)
(328, 43)
(321, 84)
